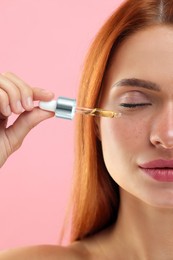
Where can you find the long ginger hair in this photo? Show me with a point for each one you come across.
(96, 195)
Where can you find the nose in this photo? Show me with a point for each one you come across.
(161, 135)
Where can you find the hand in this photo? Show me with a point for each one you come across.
(17, 97)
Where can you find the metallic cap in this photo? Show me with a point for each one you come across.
(65, 108)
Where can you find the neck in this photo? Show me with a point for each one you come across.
(146, 232)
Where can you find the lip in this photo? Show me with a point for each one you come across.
(160, 170)
(158, 164)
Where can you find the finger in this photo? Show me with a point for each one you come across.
(23, 125)
(25, 90)
(29, 94)
(5, 109)
(13, 94)
(42, 94)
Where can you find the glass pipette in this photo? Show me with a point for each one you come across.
(66, 108)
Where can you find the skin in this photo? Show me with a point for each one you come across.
(144, 227)
(16, 96)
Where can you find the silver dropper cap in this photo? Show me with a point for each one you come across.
(65, 108)
(62, 107)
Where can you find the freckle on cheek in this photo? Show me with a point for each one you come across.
(125, 134)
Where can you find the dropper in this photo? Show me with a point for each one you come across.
(66, 108)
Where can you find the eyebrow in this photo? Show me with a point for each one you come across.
(134, 82)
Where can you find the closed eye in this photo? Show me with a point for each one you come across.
(134, 105)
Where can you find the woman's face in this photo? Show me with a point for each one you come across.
(138, 147)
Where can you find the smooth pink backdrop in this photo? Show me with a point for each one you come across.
(44, 42)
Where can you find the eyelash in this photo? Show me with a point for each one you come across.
(134, 105)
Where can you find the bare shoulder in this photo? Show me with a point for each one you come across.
(47, 252)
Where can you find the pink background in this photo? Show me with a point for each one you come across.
(44, 42)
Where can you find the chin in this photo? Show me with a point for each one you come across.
(162, 202)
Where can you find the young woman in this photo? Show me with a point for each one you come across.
(123, 194)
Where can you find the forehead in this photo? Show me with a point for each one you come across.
(144, 54)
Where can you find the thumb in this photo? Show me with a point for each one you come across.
(23, 124)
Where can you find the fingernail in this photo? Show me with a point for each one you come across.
(29, 102)
(19, 106)
(47, 92)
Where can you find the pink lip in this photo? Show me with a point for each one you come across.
(160, 170)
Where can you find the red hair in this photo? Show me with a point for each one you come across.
(96, 195)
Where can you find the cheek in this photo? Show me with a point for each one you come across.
(122, 142)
